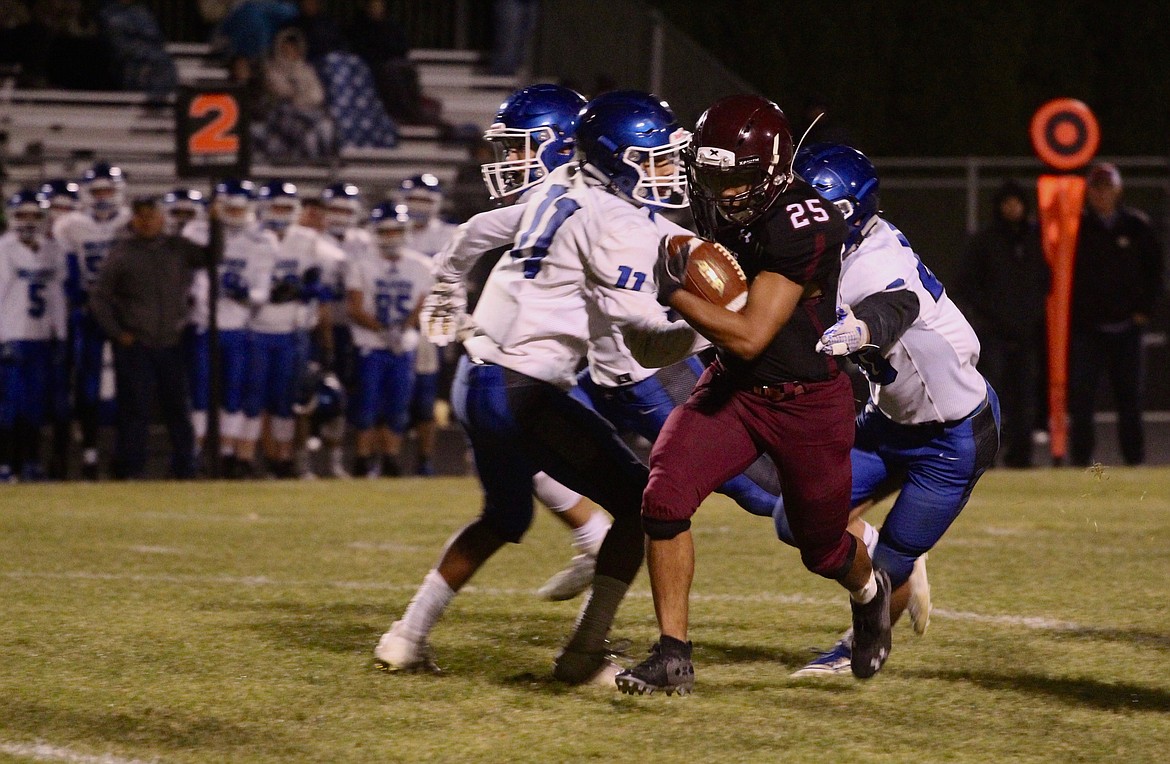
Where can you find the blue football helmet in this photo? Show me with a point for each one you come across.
(631, 140)
(388, 224)
(845, 177)
(103, 190)
(422, 195)
(235, 202)
(532, 135)
(27, 212)
(63, 196)
(181, 206)
(343, 206)
(278, 205)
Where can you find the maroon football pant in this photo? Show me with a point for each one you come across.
(719, 431)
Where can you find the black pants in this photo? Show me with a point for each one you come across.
(1012, 366)
(1119, 355)
(143, 373)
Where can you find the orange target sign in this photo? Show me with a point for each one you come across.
(1065, 134)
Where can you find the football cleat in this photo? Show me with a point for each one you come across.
(668, 669)
(398, 652)
(919, 605)
(835, 660)
(594, 668)
(568, 583)
(871, 630)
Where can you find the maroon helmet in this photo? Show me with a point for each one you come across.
(742, 142)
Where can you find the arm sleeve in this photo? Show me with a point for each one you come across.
(888, 315)
(58, 303)
(655, 345)
(5, 287)
(478, 236)
(1152, 282)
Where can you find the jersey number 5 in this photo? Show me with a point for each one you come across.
(800, 212)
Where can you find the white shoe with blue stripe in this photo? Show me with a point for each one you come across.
(835, 660)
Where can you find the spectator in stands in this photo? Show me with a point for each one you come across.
(73, 36)
(141, 301)
(1117, 279)
(513, 25)
(23, 43)
(297, 126)
(1002, 284)
(250, 27)
(321, 32)
(138, 48)
(382, 44)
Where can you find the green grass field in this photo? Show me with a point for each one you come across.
(216, 622)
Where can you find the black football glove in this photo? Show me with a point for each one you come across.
(286, 290)
(669, 269)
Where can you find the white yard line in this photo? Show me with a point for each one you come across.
(1028, 622)
(41, 751)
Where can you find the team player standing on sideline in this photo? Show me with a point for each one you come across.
(278, 353)
(383, 299)
(342, 215)
(421, 197)
(932, 420)
(244, 279)
(86, 235)
(767, 391)
(32, 332)
(63, 196)
(575, 237)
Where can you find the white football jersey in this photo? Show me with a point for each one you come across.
(357, 245)
(248, 255)
(87, 241)
(432, 238)
(610, 361)
(928, 374)
(297, 252)
(32, 290)
(391, 288)
(332, 261)
(582, 262)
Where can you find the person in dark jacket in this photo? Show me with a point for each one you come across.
(1002, 286)
(140, 300)
(1117, 278)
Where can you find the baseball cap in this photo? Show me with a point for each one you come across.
(1104, 174)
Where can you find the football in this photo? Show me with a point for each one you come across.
(712, 273)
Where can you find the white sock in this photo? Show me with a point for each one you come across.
(869, 537)
(587, 539)
(597, 614)
(867, 592)
(427, 606)
(199, 424)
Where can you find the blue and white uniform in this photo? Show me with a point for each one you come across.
(244, 276)
(86, 243)
(581, 260)
(279, 349)
(32, 322)
(931, 417)
(391, 289)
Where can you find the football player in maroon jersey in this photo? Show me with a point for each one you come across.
(768, 391)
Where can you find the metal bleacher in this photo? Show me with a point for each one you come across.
(57, 133)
